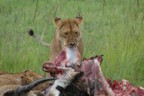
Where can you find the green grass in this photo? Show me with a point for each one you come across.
(114, 28)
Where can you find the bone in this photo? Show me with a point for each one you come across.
(93, 76)
(101, 77)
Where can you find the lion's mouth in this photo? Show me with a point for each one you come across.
(71, 45)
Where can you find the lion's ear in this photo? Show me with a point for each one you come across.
(79, 19)
(57, 21)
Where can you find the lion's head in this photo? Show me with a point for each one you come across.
(68, 31)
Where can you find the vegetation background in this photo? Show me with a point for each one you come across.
(114, 28)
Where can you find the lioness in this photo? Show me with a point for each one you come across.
(67, 34)
(23, 78)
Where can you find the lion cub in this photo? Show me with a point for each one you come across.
(67, 34)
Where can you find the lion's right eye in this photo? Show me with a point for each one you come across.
(66, 33)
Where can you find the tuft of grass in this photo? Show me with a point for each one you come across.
(113, 28)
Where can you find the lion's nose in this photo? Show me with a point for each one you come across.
(72, 44)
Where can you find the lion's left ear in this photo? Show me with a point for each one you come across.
(79, 20)
(57, 21)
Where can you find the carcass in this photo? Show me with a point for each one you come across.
(93, 82)
(88, 66)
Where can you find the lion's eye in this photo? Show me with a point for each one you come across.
(66, 33)
(76, 33)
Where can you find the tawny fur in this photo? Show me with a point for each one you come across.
(23, 78)
(2, 72)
